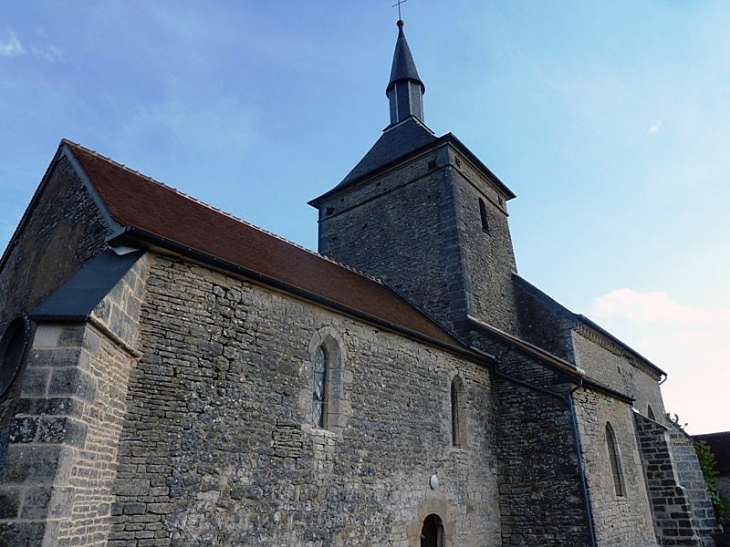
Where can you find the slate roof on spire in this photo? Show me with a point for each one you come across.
(395, 142)
(404, 67)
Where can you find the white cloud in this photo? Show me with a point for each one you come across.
(11, 46)
(655, 127)
(688, 342)
(50, 53)
(655, 308)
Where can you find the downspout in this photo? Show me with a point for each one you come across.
(581, 468)
(568, 400)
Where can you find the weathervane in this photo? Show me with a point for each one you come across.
(398, 3)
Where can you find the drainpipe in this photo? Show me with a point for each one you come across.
(568, 400)
(581, 468)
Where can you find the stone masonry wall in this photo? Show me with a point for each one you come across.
(218, 446)
(62, 232)
(609, 364)
(618, 519)
(541, 498)
(691, 479)
(56, 482)
(541, 324)
(400, 227)
(487, 254)
(421, 221)
(670, 503)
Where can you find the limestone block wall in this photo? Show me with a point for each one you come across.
(670, 503)
(218, 445)
(57, 477)
(541, 496)
(611, 365)
(63, 230)
(487, 253)
(422, 221)
(619, 518)
(410, 208)
(690, 477)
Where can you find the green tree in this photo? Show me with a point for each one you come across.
(708, 464)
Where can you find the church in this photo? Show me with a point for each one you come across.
(172, 375)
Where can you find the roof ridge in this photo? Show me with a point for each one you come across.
(220, 211)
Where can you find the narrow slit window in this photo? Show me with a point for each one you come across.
(613, 455)
(456, 414)
(319, 396)
(483, 215)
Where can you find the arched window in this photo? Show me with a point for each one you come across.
(12, 351)
(483, 214)
(613, 456)
(457, 417)
(319, 393)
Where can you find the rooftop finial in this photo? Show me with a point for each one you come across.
(398, 3)
(405, 89)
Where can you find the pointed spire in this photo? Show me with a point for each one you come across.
(405, 89)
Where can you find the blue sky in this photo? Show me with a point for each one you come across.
(609, 120)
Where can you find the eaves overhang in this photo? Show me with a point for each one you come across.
(138, 238)
(577, 374)
(448, 139)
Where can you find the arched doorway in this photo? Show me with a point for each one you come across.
(432, 532)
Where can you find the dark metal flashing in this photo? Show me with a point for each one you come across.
(572, 371)
(76, 299)
(137, 237)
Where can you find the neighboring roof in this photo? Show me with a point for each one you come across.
(77, 298)
(554, 305)
(404, 67)
(157, 213)
(720, 443)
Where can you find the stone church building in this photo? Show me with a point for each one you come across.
(171, 375)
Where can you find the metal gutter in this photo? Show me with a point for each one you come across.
(132, 234)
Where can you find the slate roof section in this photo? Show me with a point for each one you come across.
(549, 303)
(404, 67)
(720, 443)
(77, 298)
(395, 142)
(182, 223)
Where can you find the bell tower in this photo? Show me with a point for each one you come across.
(423, 214)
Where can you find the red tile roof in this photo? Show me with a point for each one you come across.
(134, 200)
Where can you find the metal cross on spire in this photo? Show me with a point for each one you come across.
(398, 3)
